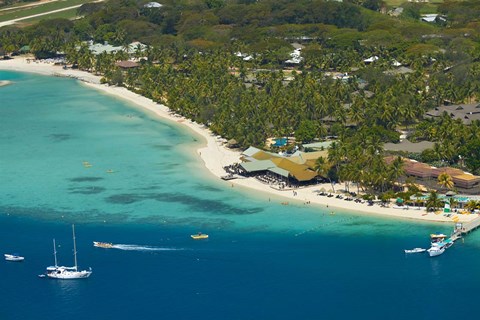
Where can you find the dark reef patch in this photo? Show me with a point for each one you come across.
(59, 137)
(204, 187)
(86, 190)
(162, 146)
(85, 179)
(65, 214)
(194, 203)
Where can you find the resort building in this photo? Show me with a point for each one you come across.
(465, 112)
(127, 64)
(280, 170)
(464, 181)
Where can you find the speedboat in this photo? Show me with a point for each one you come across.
(199, 236)
(415, 250)
(13, 257)
(437, 237)
(106, 245)
(447, 243)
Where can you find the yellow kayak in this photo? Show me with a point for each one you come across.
(199, 236)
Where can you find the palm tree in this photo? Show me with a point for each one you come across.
(433, 201)
(396, 169)
(453, 203)
(472, 205)
(445, 180)
(322, 167)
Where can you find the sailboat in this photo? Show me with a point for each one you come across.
(60, 272)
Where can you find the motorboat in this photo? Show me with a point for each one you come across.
(415, 250)
(447, 243)
(106, 245)
(67, 273)
(437, 237)
(13, 257)
(436, 251)
(199, 236)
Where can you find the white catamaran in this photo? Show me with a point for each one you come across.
(60, 272)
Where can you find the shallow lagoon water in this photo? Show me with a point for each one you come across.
(146, 188)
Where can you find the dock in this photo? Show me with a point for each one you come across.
(462, 229)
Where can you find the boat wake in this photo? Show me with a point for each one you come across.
(134, 247)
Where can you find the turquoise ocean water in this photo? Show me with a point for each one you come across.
(69, 154)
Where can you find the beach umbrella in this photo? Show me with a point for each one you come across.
(399, 200)
(232, 142)
(450, 193)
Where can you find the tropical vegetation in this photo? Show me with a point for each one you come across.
(195, 61)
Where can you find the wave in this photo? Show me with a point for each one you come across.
(135, 247)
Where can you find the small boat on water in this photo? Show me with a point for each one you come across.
(415, 250)
(436, 250)
(437, 237)
(199, 236)
(106, 245)
(65, 273)
(13, 257)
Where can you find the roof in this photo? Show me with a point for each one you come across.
(298, 167)
(263, 155)
(399, 70)
(408, 146)
(97, 48)
(280, 171)
(318, 145)
(466, 112)
(261, 165)
(371, 59)
(303, 157)
(127, 64)
(300, 172)
(466, 177)
(153, 5)
(250, 151)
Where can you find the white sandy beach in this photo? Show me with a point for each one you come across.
(216, 156)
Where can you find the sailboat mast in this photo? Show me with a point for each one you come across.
(74, 247)
(55, 252)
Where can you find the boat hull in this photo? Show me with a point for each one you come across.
(69, 275)
(416, 250)
(10, 257)
(435, 252)
(199, 237)
(104, 245)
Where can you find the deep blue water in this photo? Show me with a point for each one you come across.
(262, 260)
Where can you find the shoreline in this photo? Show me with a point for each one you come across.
(215, 156)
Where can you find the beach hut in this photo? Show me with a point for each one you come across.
(127, 64)
(24, 49)
(232, 143)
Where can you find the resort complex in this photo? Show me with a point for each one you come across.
(297, 155)
(350, 110)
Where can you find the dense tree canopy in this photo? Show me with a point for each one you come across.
(195, 64)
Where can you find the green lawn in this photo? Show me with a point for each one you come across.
(67, 14)
(426, 7)
(41, 8)
(396, 3)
